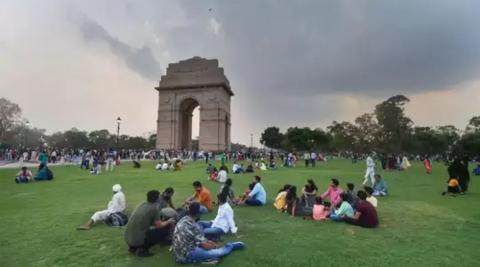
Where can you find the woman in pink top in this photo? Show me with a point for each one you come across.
(320, 210)
(333, 192)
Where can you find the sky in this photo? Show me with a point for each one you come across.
(83, 63)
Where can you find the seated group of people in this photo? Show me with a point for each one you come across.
(357, 208)
(26, 176)
(175, 165)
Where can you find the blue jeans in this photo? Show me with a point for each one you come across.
(199, 254)
(203, 209)
(210, 231)
(336, 218)
(253, 202)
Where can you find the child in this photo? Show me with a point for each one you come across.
(321, 210)
(281, 199)
(23, 176)
(244, 196)
(309, 193)
(370, 197)
(453, 187)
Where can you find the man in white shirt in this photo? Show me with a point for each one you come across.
(370, 172)
(117, 204)
(313, 158)
(222, 175)
(223, 222)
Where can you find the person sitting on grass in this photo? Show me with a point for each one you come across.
(136, 164)
(145, 229)
(321, 210)
(295, 206)
(380, 186)
(365, 215)
(190, 245)
(24, 176)
(116, 205)
(262, 166)
(476, 171)
(44, 173)
(249, 168)
(333, 192)
(202, 196)
(210, 168)
(281, 199)
(309, 193)
(370, 198)
(227, 190)
(344, 209)
(178, 165)
(237, 168)
(223, 223)
(244, 196)
(352, 195)
(165, 204)
(453, 187)
(258, 196)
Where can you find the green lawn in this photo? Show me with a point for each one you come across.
(418, 227)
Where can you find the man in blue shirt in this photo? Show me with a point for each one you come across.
(258, 196)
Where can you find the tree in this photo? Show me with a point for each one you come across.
(366, 132)
(272, 138)
(342, 135)
(306, 139)
(76, 139)
(394, 125)
(100, 139)
(473, 124)
(10, 114)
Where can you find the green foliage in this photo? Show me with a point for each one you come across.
(272, 137)
(305, 139)
(10, 114)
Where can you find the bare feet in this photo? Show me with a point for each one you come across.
(84, 227)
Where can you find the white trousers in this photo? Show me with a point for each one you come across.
(109, 165)
(369, 176)
(100, 215)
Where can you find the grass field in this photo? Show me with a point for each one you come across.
(418, 227)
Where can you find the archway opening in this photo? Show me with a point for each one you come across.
(187, 129)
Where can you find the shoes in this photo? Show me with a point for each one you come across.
(210, 262)
(237, 245)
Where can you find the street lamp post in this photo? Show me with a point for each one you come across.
(251, 140)
(27, 125)
(118, 130)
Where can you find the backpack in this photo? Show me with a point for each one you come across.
(117, 219)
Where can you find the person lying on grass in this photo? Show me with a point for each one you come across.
(116, 205)
(453, 187)
(365, 215)
(370, 198)
(258, 196)
(281, 199)
(223, 223)
(145, 228)
(333, 192)
(321, 210)
(295, 206)
(190, 245)
(341, 210)
(202, 196)
(380, 186)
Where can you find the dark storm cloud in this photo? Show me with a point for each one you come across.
(370, 47)
(140, 60)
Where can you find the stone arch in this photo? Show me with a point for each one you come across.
(186, 85)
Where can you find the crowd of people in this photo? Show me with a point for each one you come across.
(350, 206)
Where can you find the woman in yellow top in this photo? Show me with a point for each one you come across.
(281, 199)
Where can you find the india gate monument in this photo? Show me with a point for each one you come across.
(186, 85)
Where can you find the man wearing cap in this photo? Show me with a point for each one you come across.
(117, 204)
(190, 245)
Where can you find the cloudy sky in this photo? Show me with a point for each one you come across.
(306, 63)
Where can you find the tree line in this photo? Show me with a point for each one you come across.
(15, 132)
(386, 130)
